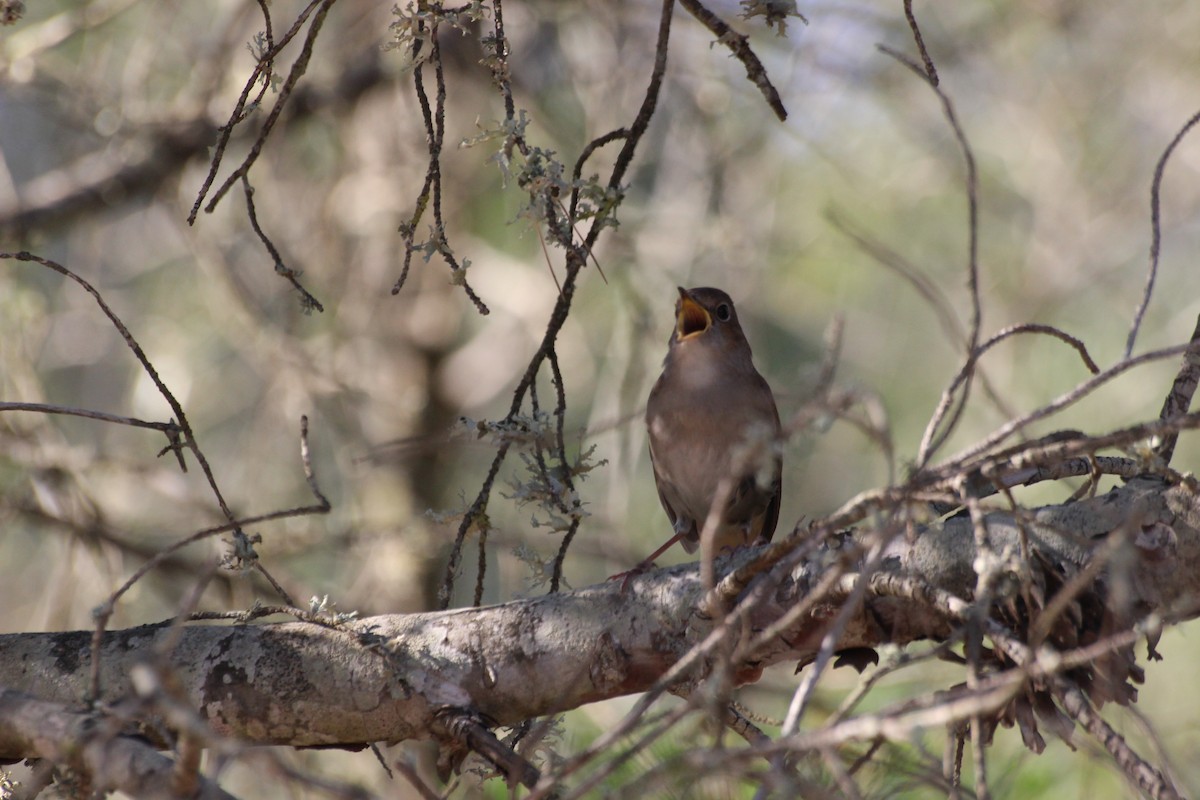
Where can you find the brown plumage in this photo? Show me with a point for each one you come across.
(706, 408)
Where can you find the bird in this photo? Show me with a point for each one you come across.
(705, 415)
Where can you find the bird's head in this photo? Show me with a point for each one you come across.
(706, 315)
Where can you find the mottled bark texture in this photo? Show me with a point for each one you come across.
(396, 677)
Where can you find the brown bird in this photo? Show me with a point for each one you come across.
(706, 413)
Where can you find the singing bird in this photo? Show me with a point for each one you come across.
(706, 414)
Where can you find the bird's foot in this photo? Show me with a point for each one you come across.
(630, 574)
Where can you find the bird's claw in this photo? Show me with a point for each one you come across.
(630, 574)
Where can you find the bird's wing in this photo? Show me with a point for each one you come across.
(771, 518)
(666, 491)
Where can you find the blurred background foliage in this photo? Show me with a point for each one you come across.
(1068, 105)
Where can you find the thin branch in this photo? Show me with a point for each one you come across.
(560, 411)
(930, 291)
(1142, 774)
(1155, 231)
(584, 155)
(140, 355)
(410, 773)
(651, 732)
(466, 728)
(46, 408)
(927, 445)
(849, 606)
(634, 133)
(930, 70)
(434, 119)
(927, 289)
(57, 198)
(1040, 626)
(931, 711)
(1057, 404)
(95, 531)
(681, 668)
(576, 258)
(1179, 399)
(263, 71)
(987, 570)
(104, 612)
(292, 276)
(739, 45)
(299, 67)
(306, 461)
(929, 75)
(901, 661)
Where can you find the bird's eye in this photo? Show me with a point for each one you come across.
(723, 312)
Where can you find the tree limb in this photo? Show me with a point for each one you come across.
(394, 677)
(36, 728)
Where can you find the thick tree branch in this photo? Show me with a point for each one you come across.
(36, 728)
(396, 677)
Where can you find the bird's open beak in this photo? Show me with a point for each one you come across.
(691, 318)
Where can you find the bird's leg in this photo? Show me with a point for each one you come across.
(646, 563)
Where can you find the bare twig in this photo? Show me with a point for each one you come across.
(584, 155)
(576, 260)
(651, 732)
(972, 192)
(1059, 403)
(1101, 556)
(434, 118)
(299, 67)
(930, 69)
(467, 729)
(60, 196)
(560, 412)
(986, 567)
(105, 610)
(139, 354)
(410, 773)
(739, 45)
(292, 276)
(1179, 399)
(927, 289)
(1142, 774)
(930, 291)
(849, 605)
(927, 445)
(1155, 231)
(682, 667)
(46, 408)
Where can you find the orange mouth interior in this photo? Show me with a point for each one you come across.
(692, 319)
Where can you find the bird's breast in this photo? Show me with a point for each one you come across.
(691, 450)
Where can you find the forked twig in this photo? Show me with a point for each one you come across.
(576, 259)
(927, 445)
(264, 66)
